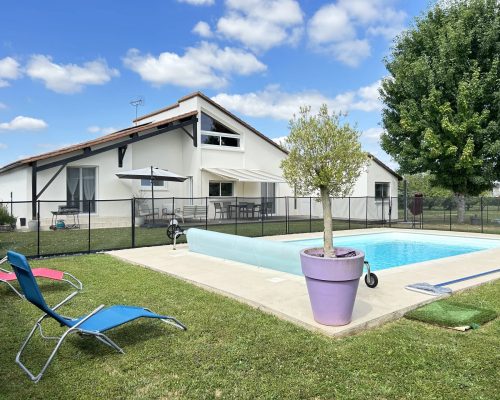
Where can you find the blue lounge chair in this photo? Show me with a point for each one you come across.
(94, 324)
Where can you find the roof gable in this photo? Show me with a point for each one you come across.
(220, 108)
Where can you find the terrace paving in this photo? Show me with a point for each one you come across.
(285, 295)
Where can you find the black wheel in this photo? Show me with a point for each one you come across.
(371, 281)
(171, 231)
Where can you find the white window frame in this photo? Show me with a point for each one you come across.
(236, 135)
(220, 191)
(379, 199)
(80, 167)
(221, 135)
(164, 185)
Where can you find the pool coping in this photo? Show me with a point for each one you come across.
(285, 295)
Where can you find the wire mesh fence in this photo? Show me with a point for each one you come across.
(64, 227)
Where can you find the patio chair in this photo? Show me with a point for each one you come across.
(53, 274)
(93, 324)
(221, 210)
(145, 211)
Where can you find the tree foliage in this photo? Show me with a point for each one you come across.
(442, 98)
(424, 183)
(324, 155)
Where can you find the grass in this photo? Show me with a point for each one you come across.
(77, 240)
(448, 314)
(232, 351)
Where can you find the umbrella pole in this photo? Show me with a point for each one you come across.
(152, 196)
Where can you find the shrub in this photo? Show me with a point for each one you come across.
(5, 217)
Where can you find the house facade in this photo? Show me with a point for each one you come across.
(222, 156)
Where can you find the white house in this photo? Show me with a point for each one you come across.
(221, 155)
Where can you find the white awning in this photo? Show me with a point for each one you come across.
(245, 175)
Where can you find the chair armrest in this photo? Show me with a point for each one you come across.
(64, 301)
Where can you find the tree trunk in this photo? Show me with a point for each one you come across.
(461, 208)
(327, 224)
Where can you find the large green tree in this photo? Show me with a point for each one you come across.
(442, 98)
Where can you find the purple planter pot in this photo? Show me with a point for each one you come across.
(332, 284)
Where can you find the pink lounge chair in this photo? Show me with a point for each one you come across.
(54, 274)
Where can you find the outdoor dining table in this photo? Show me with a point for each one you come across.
(240, 208)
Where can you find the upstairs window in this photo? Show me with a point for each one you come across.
(213, 133)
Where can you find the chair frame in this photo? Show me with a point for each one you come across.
(99, 335)
(77, 284)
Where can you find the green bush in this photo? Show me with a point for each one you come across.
(5, 217)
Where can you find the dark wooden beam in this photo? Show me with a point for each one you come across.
(90, 152)
(187, 132)
(195, 134)
(33, 190)
(50, 181)
(121, 153)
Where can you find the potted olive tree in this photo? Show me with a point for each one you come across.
(325, 156)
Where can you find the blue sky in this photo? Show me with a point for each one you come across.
(68, 70)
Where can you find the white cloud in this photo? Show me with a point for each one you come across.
(274, 103)
(351, 52)
(3, 146)
(3, 106)
(373, 134)
(69, 78)
(198, 2)
(331, 23)
(101, 130)
(10, 69)
(200, 67)
(280, 140)
(342, 29)
(369, 98)
(262, 24)
(21, 123)
(203, 29)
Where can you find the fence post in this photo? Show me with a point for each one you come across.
(310, 214)
(262, 216)
(349, 212)
(38, 230)
(366, 212)
(89, 227)
(383, 214)
(236, 211)
(422, 216)
(390, 211)
(132, 204)
(11, 212)
(482, 225)
(451, 203)
(206, 213)
(286, 215)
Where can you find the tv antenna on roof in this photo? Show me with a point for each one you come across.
(137, 102)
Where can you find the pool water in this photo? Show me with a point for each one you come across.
(388, 250)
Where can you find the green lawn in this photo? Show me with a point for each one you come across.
(77, 240)
(234, 351)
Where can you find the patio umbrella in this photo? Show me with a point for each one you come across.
(153, 174)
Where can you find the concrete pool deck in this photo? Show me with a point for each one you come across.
(285, 295)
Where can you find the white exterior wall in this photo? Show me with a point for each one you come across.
(17, 181)
(175, 151)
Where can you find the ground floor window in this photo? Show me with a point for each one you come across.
(146, 183)
(382, 190)
(81, 188)
(220, 189)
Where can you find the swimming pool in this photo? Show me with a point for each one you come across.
(382, 250)
(394, 249)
